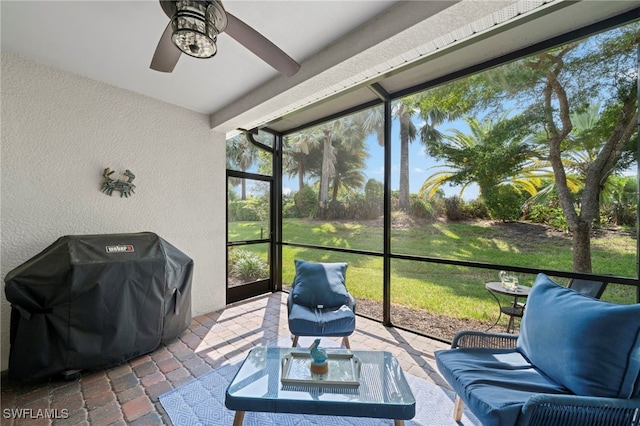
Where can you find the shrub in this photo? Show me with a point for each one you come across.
(476, 209)
(289, 210)
(560, 222)
(620, 201)
(334, 210)
(421, 209)
(539, 213)
(241, 210)
(374, 198)
(438, 204)
(454, 208)
(548, 215)
(356, 207)
(247, 265)
(306, 201)
(504, 202)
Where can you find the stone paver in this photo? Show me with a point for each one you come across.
(137, 407)
(127, 394)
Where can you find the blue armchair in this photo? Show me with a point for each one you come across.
(575, 362)
(319, 303)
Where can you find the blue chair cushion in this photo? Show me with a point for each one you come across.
(320, 284)
(494, 383)
(337, 321)
(589, 346)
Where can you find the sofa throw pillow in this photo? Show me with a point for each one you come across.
(320, 284)
(590, 346)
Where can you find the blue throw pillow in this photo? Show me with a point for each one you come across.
(589, 346)
(320, 284)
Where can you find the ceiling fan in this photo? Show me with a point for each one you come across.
(194, 27)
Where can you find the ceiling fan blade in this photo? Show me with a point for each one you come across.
(167, 54)
(261, 46)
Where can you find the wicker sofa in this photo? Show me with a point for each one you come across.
(575, 362)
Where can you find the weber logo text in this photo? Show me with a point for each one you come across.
(122, 248)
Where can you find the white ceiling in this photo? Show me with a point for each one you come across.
(342, 46)
(114, 41)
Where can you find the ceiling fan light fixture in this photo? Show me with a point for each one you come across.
(194, 28)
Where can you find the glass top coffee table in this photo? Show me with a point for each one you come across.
(382, 390)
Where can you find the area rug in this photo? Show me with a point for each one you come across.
(201, 402)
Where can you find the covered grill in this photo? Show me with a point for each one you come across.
(92, 301)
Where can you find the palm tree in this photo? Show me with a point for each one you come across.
(372, 121)
(241, 154)
(344, 134)
(347, 131)
(484, 157)
(299, 147)
(348, 169)
(404, 110)
(620, 199)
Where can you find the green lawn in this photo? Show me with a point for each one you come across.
(444, 289)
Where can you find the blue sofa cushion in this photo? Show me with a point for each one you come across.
(494, 383)
(320, 285)
(587, 345)
(336, 321)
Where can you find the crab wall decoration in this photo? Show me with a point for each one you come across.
(124, 186)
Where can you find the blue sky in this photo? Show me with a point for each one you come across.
(420, 165)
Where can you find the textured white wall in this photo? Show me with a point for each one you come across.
(60, 130)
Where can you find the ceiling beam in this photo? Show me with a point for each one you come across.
(380, 91)
(403, 26)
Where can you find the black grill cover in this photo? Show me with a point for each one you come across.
(92, 301)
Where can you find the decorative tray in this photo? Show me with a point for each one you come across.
(344, 370)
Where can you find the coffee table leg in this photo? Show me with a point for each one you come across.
(239, 418)
(398, 422)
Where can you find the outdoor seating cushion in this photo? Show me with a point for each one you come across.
(494, 383)
(589, 346)
(320, 285)
(334, 321)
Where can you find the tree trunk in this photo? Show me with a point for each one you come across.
(403, 195)
(300, 175)
(582, 247)
(326, 169)
(336, 187)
